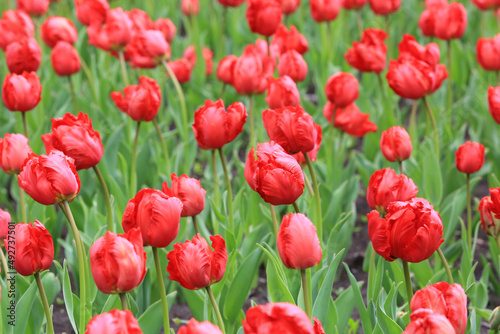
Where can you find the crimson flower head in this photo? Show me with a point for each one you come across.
(354, 4)
(141, 102)
(91, 11)
(21, 92)
(325, 10)
(34, 7)
(251, 71)
(114, 34)
(214, 127)
(292, 64)
(386, 186)
(140, 21)
(282, 92)
(342, 89)
(469, 158)
(32, 247)
(350, 119)
(190, 7)
(118, 262)
(195, 265)
(225, 69)
(57, 28)
(289, 6)
(156, 214)
(494, 103)
(114, 321)
(14, 150)
(189, 191)
(385, 7)
(231, 3)
(370, 54)
(23, 55)
(15, 25)
(318, 135)
(167, 28)
(182, 69)
(490, 214)
(65, 59)
(195, 327)
(411, 231)
(291, 39)
(264, 16)
(486, 4)
(5, 219)
(445, 21)
(488, 53)
(426, 321)
(395, 144)
(148, 48)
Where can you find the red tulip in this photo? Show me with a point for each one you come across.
(469, 158)
(57, 28)
(91, 12)
(14, 25)
(409, 47)
(209, 63)
(386, 187)
(231, 3)
(350, 120)
(495, 197)
(494, 103)
(75, 137)
(148, 49)
(293, 65)
(182, 69)
(32, 247)
(325, 10)
(385, 7)
(282, 92)
(342, 89)
(275, 175)
(298, 243)
(33, 7)
(14, 150)
(189, 191)
(156, 214)
(354, 4)
(65, 59)
(411, 231)
(445, 299)
(115, 34)
(395, 144)
(194, 265)
(318, 328)
(283, 318)
(489, 221)
(118, 261)
(190, 7)
(195, 327)
(5, 219)
(225, 69)
(141, 102)
(289, 6)
(264, 16)
(251, 71)
(289, 40)
(213, 127)
(167, 28)
(49, 179)
(23, 55)
(318, 135)
(140, 21)
(114, 321)
(488, 53)
(370, 54)
(486, 4)
(446, 21)
(21, 92)
(426, 321)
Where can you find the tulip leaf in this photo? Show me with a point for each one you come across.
(387, 325)
(363, 312)
(23, 309)
(431, 177)
(112, 302)
(151, 321)
(68, 296)
(195, 300)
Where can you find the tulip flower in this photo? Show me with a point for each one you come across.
(33, 7)
(57, 28)
(292, 64)
(318, 134)
(91, 12)
(140, 21)
(395, 144)
(446, 21)
(264, 16)
(167, 28)
(141, 102)
(354, 4)
(182, 69)
(65, 59)
(231, 3)
(208, 56)
(283, 318)
(190, 7)
(287, 40)
(15, 25)
(386, 187)
(488, 53)
(114, 321)
(225, 69)
(385, 7)
(195, 327)
(282, 92)
(5, 219)
(342, 89)
(14, 150)
(350, 120)
(23, 55)
(426, 321)
(494, 103)
(148, 49)
(490, 217)
(318, 328)
(486, 4)
(21, 92)
(325, 10)
(114, 34)
(251, 71)
(370, 54)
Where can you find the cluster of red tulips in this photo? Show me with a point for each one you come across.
(400, 225)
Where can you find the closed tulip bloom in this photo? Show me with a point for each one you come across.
(469, 158)
(91, 11)
(298, 243)
(195, 327)
(115, 34)
(342, 89)
(445, 22)
(225, 69)
(141, 102)
(49, 179)
(494, 103)
(190, 7)
(488, 53)
(486, 4)
(289, 6)
(251, 72)
(395, 144)
(287, 40)
(114, 321)
(385, 7)
(230, 3)
(354, 4)
(425, 321)
(264, 16)
(213, 127)
(14, 150)
(195, 265)
(283, 318)
(411, 231)
(148, 49)
(21, 92)
(5, 219)
(118, 261)
(156, 214)
(495, 197)
(33, 248)
(33, 7)
(325, 10)
(318, 135)
(386, 186)
(140, 21)
(282, 92)
(65, 59)
(189, 191)
(490, 222)
(182, 69)
(23, 55)
(15, 25)
(190, 55)
(292, 64)
(75, 137)
(409, 47)
(275, 175)
(167, 28)
(208, 56)
(57, 28)
(353, 122)
(445, 299)
(370, 54)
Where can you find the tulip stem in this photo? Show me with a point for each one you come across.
(400, 167)
(162, 143)
(446, 266)
(123, 299)
(497, 76)
(275, 221)
(106, 198)
(195, 224)
(229, 191)
(81, 262)
(73, 94)
(223, 89)
(46, 307)
(214, 176)
(163, 294)
(469, 214)
(25, 124)
(4, 260)
(216, 309)
(498, 242)
(319, 215)
(305, 293)
(133, 177)
(409, 290)
(252, 121)
(308, 185)
(22, 204)
(296, 207)
(123, 67)
(181, 97)
(434, 126)
(449, 91)
(268, 47)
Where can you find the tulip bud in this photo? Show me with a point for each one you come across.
(167, 28)
(225, 69)
(445, 21)
(251, 71)
(395, 144)
(15, 25)
(286, 40)
(490, 222)
(195, 327)
(208, 56)
(114, 321)
(386, 186)
(293, 65)
(494, 103)
(426, 321)
(115, 34)
(181, 69)
(23, 55)
(14, 150)
(370, 54)
(325, 10)
(190, 7)
(189, 191)
(91, 11)
(285, 317)
(5, 219)
(469, 158)
(65, 59)
(350, 120)
(148, 48)
(354, 4)
(33, 7)
(57, 28)
(384, 7)
(488, 53)
(282, 92)
(140, 21)
(264, 16)
(21, 92)
(342, 89)
(231, 3)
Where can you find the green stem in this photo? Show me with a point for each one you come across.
(73, 94)
(409, 290)
(498, 242)
(216, 309)
(469, 214)
(123, 66)
(4, 261)
(133, 177)
(45, 303)
(275, 221)
(449, 91)
(268, 46)
(371, 273)
(434, 125)
(446, 266)
(413, 121)
(308, 185)
(25, 124)
(163, 294)
(195, 224)
(400, 167)
(252, 121)
(107, 198)
(22, 203)
(123, 299)
(162, 143)
(181, 97)
(305, 293)
(497, 76)
(317, 198)
(229, 191)
(296, 207)
(339, 149)
(214, 176)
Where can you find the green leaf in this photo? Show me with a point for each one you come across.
(23, 309)
(432, 179)
(387, 325)
(151, 321)
(68, 297)
(363, 312)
